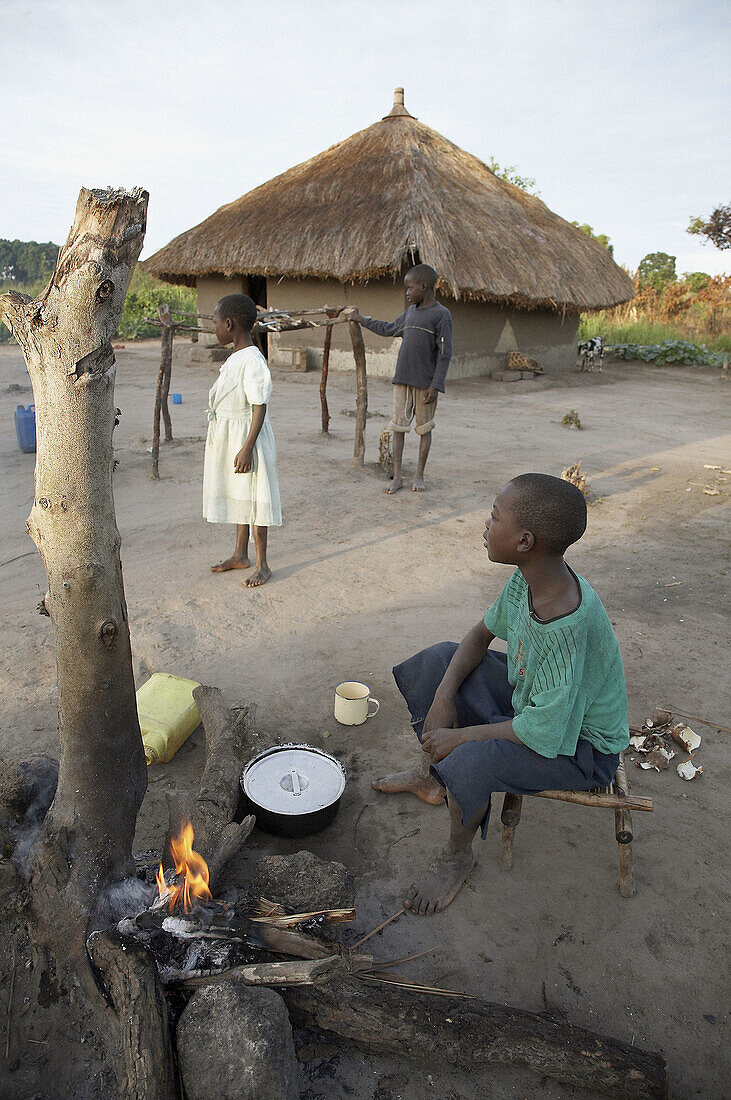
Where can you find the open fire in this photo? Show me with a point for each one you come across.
(190, 883)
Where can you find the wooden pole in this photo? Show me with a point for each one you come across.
(323, 380)
(163, 386)
(166, 357)
(510, 818)
(361, 400)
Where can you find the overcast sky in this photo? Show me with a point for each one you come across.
(618, 108)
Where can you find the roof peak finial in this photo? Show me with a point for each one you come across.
(398, 110)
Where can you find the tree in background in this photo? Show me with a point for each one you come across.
(602, 238)
(510, 175)
(696, 280)
(717, 228)
(657, 270)
(26, 262)
(26, 267)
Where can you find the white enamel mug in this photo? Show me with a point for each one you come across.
(352, 703)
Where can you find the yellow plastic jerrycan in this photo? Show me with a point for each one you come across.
(168, 715)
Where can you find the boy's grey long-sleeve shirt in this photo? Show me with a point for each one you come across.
(426, 344)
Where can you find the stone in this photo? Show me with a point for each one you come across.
(205, 355)
(510, 375)
(235, 1043)
(303, 882)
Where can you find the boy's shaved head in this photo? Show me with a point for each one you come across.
(553, 510)
(422, 273)
(238, 307)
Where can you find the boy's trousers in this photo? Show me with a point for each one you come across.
(474, 771)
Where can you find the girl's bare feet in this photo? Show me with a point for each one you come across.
(424, 787)
(230, 563)
(418, 485)
(441, 882)
(261, 576)
(394, 487)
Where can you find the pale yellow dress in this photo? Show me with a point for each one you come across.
(243, 381)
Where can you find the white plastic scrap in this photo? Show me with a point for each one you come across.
(688, 770)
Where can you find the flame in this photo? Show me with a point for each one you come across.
(191, 866)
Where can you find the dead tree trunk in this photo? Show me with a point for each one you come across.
(131, 982)
(361, 401)
(85, 844)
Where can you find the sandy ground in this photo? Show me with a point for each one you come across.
(361, 581)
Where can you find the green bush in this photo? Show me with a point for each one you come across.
(669, 351)
(145, 294)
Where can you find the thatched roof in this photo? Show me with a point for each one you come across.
(367, 206)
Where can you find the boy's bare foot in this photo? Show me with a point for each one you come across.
(394, 487)
(427, 789)
(261, 576)
(418, 485)
(440, 884)
(230, 563)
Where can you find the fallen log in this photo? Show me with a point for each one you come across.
(471, 1035)
(231, 740)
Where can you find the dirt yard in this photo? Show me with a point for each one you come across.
(362, 580)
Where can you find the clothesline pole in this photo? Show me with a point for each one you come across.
(323, 380)
(167, 326)
(361, 396)
(163, 386)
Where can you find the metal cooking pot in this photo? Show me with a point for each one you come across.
(293, 790)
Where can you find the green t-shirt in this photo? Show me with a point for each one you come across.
(567, 675)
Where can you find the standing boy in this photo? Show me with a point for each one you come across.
(426, 348)
(552, 715)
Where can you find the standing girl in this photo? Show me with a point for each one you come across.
(240, 481)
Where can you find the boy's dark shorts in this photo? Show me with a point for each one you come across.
(476, 770)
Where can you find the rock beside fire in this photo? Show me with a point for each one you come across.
(301, 881)
(235, 1043)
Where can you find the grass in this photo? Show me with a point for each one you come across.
(643, 331)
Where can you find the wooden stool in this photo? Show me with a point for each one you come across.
(615, 797)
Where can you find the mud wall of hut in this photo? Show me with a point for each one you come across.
(211, 290)
(483, 332)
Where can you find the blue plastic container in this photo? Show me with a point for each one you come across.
(25, 428)
(177, 399)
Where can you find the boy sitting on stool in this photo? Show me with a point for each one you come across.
(551, 715)
(421, 367)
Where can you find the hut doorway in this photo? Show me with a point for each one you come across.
(256, 287)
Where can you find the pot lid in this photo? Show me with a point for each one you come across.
(293, 780)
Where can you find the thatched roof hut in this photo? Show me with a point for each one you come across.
(391, 195)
